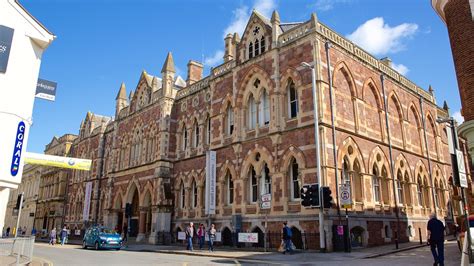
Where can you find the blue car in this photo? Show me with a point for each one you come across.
(101, 238)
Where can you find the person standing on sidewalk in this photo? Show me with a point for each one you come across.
(212, 237)
(125, 233)
(189, 236)
(436, 239)
(201, 233)
(287, 234)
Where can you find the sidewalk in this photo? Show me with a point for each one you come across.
(249, 254)
(10, 260)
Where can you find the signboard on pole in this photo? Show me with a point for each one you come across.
(6, 38)
(210, 182)
(58, 161)
(266, 201)
(46, 89)
(461, 169)
(345, 196)
(248, 238)
(87, 201)
(181, 236)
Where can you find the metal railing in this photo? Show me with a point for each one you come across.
(17, 250)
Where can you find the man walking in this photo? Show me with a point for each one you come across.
(436, 239)
(189, 236)
(287, 234)
(52, 237)
(63, 236)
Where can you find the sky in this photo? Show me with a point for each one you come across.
(102, 43)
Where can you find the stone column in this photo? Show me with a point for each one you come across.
(141, 226)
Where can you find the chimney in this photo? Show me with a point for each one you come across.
(194, 72)
(229, 48)
(386, 61)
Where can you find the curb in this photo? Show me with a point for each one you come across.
(196, 254)
(393, 251)
(42, 261)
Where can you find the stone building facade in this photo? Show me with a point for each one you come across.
(53, 187)
(30, 184)
(256, 111)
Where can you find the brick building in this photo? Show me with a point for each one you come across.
(53, 187)
(255, 110)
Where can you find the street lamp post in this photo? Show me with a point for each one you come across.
(454, 162)
(322, 235)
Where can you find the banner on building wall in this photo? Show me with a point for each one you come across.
(87, 201)
(210, 182)
(58, 161)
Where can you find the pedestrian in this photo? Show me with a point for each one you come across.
(201, 234)
(52, 237)
(63, 236)
(18, 231)
(23, 232)
(8, 231)
(212, 237)
(125, 231)
(287, 234)
(189, 236)
(436, 239)
(33, 231)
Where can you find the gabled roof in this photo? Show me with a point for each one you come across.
(288, 26)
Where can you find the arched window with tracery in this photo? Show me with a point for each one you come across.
(252, 113)
(294, 180)
(376, 183)
(229, 120)
(250, 50)
(264, 110)
(182, 196)
(419, 191)
(401, 198)
(407, 189)
(262, 44)
(257, 47)
(385, 186)
(196, 134)
(195, 194)
(253, 185)
(292, 100)
(230, 189)
(266, 180)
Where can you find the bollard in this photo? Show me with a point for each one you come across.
(421, 237)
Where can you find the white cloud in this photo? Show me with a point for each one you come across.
(325, 5)
(458, 117)
(402, 69)
(379, 38)
(265, 7)
(215, 59)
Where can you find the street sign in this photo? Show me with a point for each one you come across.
(6, 38)
(345, 196)
(461, 169)
(265, 205)
(266, 201)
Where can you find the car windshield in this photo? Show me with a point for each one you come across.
(106, 231)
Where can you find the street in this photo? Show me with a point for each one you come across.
(75, 255)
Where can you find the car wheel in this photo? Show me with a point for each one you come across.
(96, 246)
(84, 246)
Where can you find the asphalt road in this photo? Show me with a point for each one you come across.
(74, 255)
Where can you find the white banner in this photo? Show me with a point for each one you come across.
(181, 236)
(210, 182)
(248, 237)
(87, 201)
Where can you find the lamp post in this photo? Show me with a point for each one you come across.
(455, 145)
(322, 235)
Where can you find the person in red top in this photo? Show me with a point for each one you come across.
(201, 235)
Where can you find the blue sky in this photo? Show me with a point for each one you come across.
(101, 43)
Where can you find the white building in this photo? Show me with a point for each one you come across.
(22, 42)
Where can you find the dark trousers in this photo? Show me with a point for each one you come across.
(201, 241)
(437, 249)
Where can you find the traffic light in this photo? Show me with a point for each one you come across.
(128, 210)
(314, 195)
(327, 198)
(305, 196)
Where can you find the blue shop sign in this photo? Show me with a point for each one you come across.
(17, 150)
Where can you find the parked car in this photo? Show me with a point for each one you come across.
(101, 238)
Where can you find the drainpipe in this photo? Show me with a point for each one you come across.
(391, 161)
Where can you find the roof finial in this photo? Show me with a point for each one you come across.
(275, 17)
(122, 94)
(168, 66)
(430, 89)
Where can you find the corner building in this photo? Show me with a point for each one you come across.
(256, 111)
